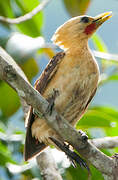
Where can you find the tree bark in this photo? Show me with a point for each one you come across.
(48, 166)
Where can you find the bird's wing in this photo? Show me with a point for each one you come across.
(32, 146)
(91, 97)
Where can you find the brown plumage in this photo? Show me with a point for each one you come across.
(73, 74)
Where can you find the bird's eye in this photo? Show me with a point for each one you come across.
(85, 19)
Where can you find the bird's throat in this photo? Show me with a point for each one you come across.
(90, 28)
(78, 49)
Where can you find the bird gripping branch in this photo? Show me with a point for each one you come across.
(69, 82)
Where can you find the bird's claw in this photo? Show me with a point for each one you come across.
(84, 137)
(73, 156)
(50, 107)
(51, 101)
(36, 113)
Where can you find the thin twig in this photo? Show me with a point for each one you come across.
(103, 55)
(26, 16)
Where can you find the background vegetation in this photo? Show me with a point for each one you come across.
(28, 43)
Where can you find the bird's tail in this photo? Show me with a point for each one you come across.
(73, 157)
(32, 146)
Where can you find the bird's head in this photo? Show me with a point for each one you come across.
(78, 30)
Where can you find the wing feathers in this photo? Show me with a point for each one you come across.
(33, 146)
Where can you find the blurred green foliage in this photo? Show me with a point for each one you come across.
(8, 97)
(76, 7)
(103, 120)
(33, 26)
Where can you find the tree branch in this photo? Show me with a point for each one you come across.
(103, 55)
(106, 142)
(12, 74)
(26, 16)
(100, 143)
(45, 160)
(48, 166)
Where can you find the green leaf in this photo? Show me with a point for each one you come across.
(108, 152)
(5, 8)
(9, 100)
(93, 119)
(100, 46)
(2, 127)
(99, 43)
(96, 175)
(33, 26)
(113, 77)
(98, 117)
(112, 112)
(30, 68)
(78, 173)
(76, 7)
(112, 131)
(72, 173)
(5, 155)
(6, 11)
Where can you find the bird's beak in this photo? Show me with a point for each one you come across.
(100, 19)
(96, 22)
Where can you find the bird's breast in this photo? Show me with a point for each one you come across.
(75, 81)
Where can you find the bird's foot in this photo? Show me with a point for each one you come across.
(73, 156)
(51, 100)
(84, 137)
(36, 113)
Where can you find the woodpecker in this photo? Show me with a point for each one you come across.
(69, 81)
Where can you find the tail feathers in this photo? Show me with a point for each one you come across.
(74, 157)
(32, 146)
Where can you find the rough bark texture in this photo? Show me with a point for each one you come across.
(106, 142)
(48, 166)
(12, 74)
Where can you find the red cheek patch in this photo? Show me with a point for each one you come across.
(90, 28)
